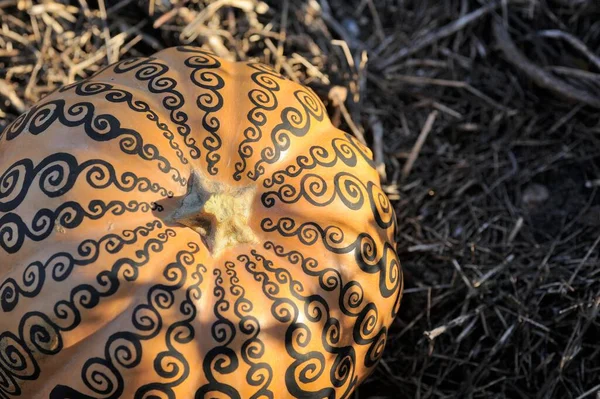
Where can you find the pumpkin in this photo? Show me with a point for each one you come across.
(181, 226)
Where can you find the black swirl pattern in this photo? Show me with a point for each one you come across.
(69, 215)
(329, 278)
(350, 301)
(264, 99)
(221, 359)
(260, 373)
(348, 151)
(61, 264)
(346, 187)
(102, 127)
(57, 174)
(369, 258)
(124, 348)
(178, 333)
(41, 335)
(295, 122)
(309, 365)
(351, 296)
(115, 95)
(204, 75)
(153, 71)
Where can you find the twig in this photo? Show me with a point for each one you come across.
(106, 32)
(282, 33)
(39, 64)
(116, 7)
(576, 73)
(419, 144)
(86, 9)
(463, 276)
(137, 29)
(376, 20)
(280, 60)
(584, 260)
(97, 56)
(433, 334)
(590, 392)
(573, 41)
(515, 230)
(166, 17)
(542, 78)
(421, 80)
(435, 36)
(338, 95)
(346, 50)
(495, 270)
(248, 6)
(377, 129)
(311, 69)
(336, 26)
(565, 118)
(7, 91)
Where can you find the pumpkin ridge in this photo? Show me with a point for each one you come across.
(264, 99)
(58, 173)
(342, 149)
(316, 310)
(98, 127)
(61, 264)
(66, 311)
(118, 93)
(152, 69)
(293, 121)
(68, 215)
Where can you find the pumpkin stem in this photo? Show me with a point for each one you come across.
(217, 212)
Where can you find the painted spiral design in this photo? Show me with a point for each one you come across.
(264, 99)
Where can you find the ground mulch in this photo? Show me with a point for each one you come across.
(484, 119)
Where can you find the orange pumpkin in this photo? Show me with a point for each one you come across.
(181, 226)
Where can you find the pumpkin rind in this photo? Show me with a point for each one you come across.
(105, 294)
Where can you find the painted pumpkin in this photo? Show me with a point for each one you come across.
(183, 226)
